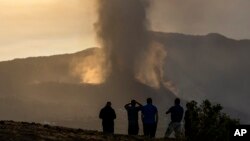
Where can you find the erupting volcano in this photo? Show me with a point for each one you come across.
(132, 60)
(129, 54)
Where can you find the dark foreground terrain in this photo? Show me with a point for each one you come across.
(23, 131)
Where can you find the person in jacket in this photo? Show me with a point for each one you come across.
(108, 115)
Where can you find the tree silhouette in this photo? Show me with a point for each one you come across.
(206, 122)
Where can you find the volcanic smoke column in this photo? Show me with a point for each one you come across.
(122, 30)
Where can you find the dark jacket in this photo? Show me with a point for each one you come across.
(107, 114)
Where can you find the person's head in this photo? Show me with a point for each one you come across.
(177, 101)
(108, 104)
(149, 101)
(133, 102)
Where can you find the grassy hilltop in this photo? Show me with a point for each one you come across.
(23, 131)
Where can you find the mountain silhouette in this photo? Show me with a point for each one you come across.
(211, 66)
(43, 89)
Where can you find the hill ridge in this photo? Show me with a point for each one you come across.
(17, 131)
(154, 33)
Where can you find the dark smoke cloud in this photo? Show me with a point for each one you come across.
(122, 30)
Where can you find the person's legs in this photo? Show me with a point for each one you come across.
(112, 130)
(152, 130)
(177, 129)
(133, 128)
(104, 127)
(169, 130)
(146, 129)
(136, 129)
(108, 127)
(112, 127)
(129, 129)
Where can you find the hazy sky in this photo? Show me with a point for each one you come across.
(228, 17)
(46, 27)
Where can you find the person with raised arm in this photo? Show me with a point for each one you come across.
(133, 109)
(176, 112)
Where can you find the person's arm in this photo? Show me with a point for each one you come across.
(101, 114)
(114, 114)
(138, 103)
(156, 117)
(127, 106)
(142, 116)
(182, 113)
(169, 111)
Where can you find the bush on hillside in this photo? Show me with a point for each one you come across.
(206, 122)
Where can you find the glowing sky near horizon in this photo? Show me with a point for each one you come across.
(45, 27)
(48, 27)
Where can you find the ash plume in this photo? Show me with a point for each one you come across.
(122, 30)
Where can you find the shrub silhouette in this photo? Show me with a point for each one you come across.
(206, 122)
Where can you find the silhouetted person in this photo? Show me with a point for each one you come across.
(176, 117)
(191, 121)
(149, 119)
(107, 114)
(132, 110)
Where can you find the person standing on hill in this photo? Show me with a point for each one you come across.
(176, 117)
(132, 110)
(149, 119)
(108, 115)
